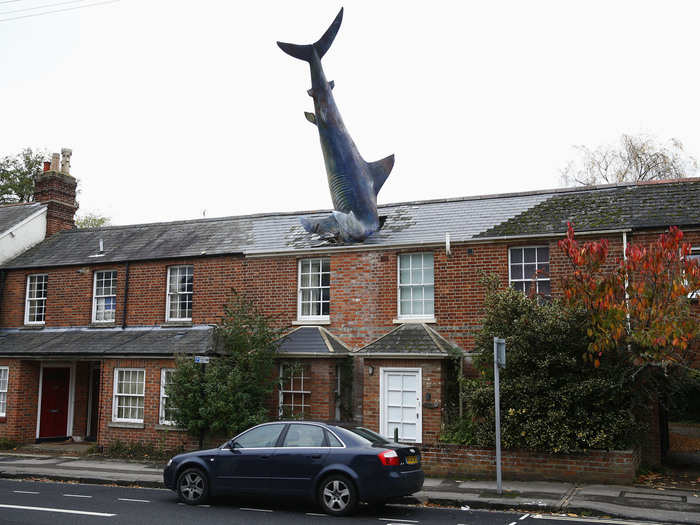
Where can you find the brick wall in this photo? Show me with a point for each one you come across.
(22, 399)
(57, 191)
(320, 379)
(596, 466)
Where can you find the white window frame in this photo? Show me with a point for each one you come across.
(5, 369)
(168, 294)
(115, 386)
(413, 317)
(522, 263)
(163, 397)
(95, 297)
(301, 317)
(27, 299)
(305, 394)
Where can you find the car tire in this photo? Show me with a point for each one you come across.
(337, 495)
(193, 486)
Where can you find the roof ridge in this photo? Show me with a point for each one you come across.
(381, 337)
(333, 336)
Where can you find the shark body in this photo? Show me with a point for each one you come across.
(354, 183)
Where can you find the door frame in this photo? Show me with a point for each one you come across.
(93, 369)
(382, 405)
(71, 393)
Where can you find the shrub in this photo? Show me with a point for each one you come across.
(550, 399)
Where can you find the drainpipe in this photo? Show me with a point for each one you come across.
(627, 295)
(3, 276)
(126, 295)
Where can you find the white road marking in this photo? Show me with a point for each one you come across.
(24, 492)
(316, 514)
(255, 510)
(62, 511)
(76, 496)
(594, 520)
(136, 500)
(398, 519)
(521, 518)
(512, 523)
(204, 506)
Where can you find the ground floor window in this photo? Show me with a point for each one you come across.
(167, 411)
(128, 394)
(295, 379)
(4, 374)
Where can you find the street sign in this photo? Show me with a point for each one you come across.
(499, 348)
(202, 359)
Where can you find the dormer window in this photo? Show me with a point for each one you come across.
(104, 297)
(35, 306)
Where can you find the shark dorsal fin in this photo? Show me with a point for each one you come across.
(380, 170)
(310, 117)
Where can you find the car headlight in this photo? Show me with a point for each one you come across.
(170, 462)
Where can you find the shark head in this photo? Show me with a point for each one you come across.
(351, 228)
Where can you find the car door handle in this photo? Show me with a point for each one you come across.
(315, 456)
(264, 456)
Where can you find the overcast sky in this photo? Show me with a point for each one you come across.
(178, 108)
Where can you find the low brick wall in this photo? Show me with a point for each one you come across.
(596, 466)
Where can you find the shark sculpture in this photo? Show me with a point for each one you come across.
(354, 183)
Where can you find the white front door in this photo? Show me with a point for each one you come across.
(400, 403)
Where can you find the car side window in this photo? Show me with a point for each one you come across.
(261, 437)
(333, 441)
(304, 436)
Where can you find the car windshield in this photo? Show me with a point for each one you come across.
(368, 434)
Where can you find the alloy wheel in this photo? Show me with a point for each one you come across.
(192, 486)
(336, 495)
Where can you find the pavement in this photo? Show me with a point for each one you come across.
(662, 505)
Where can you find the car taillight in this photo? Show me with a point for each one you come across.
(389, 458)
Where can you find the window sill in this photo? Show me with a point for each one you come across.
(417, 320)
(176, 324)
(125, 424)
(170, 428)
(311, 322)
(102, 325)
(32, 327)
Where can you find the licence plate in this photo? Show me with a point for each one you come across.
(411, 460)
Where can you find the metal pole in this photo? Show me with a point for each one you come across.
(498, 417)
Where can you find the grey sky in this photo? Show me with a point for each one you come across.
(175, 107)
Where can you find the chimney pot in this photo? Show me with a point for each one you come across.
(65, 160)
(47, 165)
(55, 159)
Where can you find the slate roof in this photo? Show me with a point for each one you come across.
(100, 342)
(12, 214)
(313, 341)
(410, 340)
(624, 206)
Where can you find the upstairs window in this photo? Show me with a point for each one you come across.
(314, 289)
(4, 374)
(104, 298)
(179, 297)
(528, 268)
(35, 308)
(416, 285)
(129, 386)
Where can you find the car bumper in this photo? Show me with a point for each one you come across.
(169, 477)
(394, 484)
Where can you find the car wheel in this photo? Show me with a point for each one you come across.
(337, 495)
(192, 486)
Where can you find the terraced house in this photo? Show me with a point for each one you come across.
(90, 320)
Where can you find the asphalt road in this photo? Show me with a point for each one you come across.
(47, 503)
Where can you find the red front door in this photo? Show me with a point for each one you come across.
(54, 403)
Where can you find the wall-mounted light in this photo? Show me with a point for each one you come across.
(370, 370)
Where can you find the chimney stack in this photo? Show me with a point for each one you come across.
(55, 187)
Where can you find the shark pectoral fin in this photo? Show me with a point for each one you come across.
(380, 170)
(310, 92)
(324, 226)
(310, 117)
(331, 84)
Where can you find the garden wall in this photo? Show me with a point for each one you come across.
(596, 466)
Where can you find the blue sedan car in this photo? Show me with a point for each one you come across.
(335, 466)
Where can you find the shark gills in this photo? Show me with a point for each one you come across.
(353, 182)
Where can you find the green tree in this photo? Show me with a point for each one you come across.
(17, 174)
(638, 158)
(551, 400)
(234, 391)
(92, 220)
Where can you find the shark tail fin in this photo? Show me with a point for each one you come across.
(380, 170)
(306, 52)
